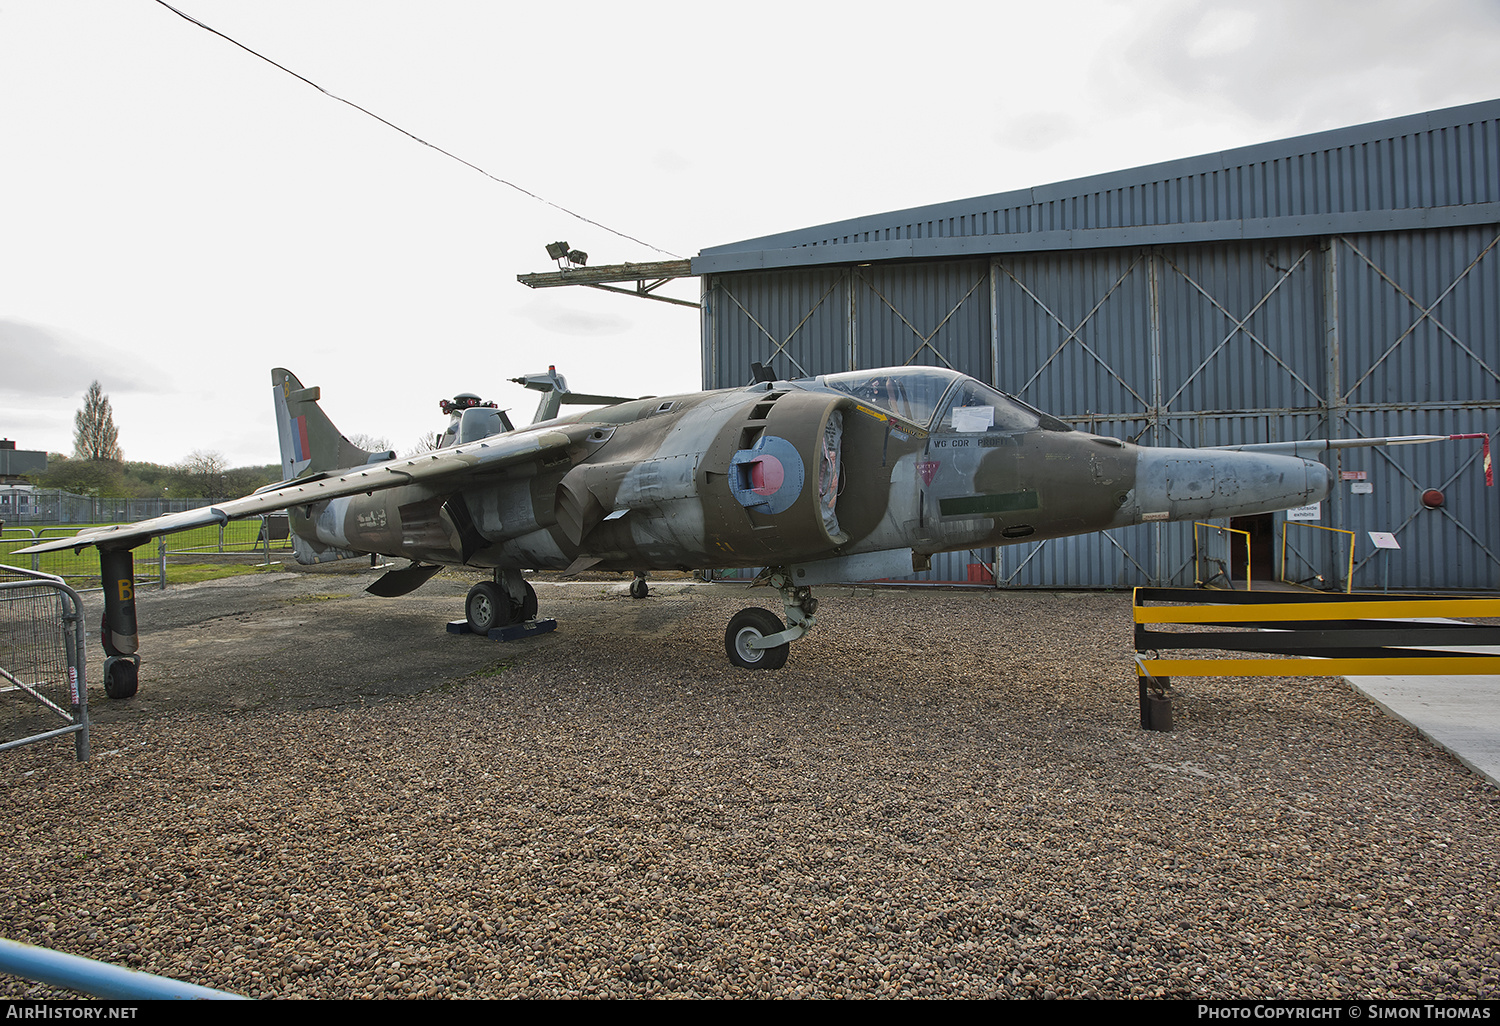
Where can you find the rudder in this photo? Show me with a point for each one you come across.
(310, 443)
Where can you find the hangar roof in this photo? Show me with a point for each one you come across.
(1427, 170)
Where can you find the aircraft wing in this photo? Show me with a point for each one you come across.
(456, 465)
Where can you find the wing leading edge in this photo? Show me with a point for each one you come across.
(457, 466)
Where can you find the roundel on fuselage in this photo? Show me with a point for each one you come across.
(768, 477)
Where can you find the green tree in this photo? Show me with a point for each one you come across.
(94, 434)
(81, 477)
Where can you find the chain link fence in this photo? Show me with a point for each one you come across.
(250, 541)
(47, 507)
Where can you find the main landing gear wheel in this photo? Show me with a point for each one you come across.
(639, 588)
(489, 606)
(749, 625)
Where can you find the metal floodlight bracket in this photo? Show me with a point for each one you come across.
(647, 277)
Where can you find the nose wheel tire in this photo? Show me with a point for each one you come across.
(750, 625)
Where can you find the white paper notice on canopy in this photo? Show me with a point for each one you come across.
(1384, 540)
(1312, 512)
(973, 418)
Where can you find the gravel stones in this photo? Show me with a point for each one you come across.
(943, 794)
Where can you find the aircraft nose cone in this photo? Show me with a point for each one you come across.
(1319, 481)
(1185, 484)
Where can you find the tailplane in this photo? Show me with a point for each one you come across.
(310, 444)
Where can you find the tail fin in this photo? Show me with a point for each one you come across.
(310, 444)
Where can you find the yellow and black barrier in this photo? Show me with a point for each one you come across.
(1345, 634)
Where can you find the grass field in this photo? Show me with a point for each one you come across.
(186, 552)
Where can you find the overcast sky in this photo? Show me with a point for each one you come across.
(178, 216)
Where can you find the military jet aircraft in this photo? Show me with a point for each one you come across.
(843, 477)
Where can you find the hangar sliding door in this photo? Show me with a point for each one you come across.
(931, 315)
(1075, 336)
(1419, 353)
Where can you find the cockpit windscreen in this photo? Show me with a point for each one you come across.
(912, 393)
(956, 402)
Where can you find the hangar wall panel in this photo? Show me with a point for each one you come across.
(1074, 332)
(1240, 329)
(931, 315)
(1455, 546)
(797, 323)
(1420, 316)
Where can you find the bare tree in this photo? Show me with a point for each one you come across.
(371, 443)
(94, 434)
(205, 470)
(425, 444)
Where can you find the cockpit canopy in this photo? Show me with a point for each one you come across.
(940, 400)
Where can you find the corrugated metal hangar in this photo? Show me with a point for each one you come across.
(1334, 285)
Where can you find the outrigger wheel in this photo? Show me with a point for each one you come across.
(122, 676)
(508, 599)
(639, 589)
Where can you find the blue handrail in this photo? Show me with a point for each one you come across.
(100, 979)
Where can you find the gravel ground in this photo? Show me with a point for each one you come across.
(943, 794)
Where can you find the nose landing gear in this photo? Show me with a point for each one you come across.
(755, 638)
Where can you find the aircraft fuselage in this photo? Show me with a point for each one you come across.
(919, 462)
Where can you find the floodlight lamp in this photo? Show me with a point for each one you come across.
(577, 257)
(557, 250)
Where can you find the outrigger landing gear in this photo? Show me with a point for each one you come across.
(639, 589)
(122, 667)
(508, 599)
(755, 638)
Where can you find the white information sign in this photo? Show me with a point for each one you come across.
(1312, 512)
(1384, 540)
(973, 418)
(1361, 488)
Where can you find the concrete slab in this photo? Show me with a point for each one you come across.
(1460, 714)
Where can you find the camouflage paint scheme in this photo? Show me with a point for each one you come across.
(843, 477)
(647, 484)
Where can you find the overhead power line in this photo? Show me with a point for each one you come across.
(409, 135)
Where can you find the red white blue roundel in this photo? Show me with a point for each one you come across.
(768, 477)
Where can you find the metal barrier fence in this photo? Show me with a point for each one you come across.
(41, 661)
(1297, 569)
(1409, 635)
(1211, 561)
(270, 532)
